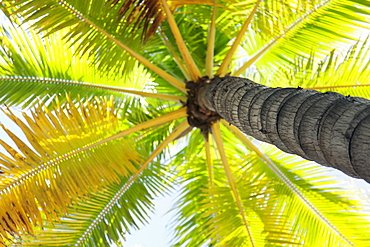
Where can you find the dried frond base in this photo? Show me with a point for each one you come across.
(197, 116)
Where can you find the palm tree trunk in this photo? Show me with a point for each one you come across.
(329, 128)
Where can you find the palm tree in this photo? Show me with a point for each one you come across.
(100, 85)
(328, 128)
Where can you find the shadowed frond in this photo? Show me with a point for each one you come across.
(140, 15)
(147, 15)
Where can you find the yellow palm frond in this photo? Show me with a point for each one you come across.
(53, 169)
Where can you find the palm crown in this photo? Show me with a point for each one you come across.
(101, 85)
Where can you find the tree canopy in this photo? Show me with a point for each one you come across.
(97, 87)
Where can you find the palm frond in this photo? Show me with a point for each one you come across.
(207, 148)
(271, 18)
(211, 44)
(176, 57)
(91, 28)
(346, 72)
(33, 67)
(105, 216)
(279, 215)
(27, 91)
(299, 191)
(193, 69)
(190, 226)
(196, 34)
(75, 148)
(147, 15)
(54, 167)
(248, 238)
(227, 60)
(110, 209)
(52, 16)
(88, 168)
(141, 15)
(312, 30)
(197, 222)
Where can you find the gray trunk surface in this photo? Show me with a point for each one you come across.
(329, 128)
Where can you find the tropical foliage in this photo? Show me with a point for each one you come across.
(97, 89)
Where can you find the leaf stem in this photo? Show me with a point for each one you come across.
(193, 69)
(226, 62)
(91, 85)
(211, 44)
(277, 38)
(220, 146)
(208, 159)
(176, 58)
(338, 86)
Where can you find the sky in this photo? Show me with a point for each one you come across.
(156, 233)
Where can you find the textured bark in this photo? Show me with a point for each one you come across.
(329, 128)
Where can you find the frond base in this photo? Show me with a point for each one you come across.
(199, 117)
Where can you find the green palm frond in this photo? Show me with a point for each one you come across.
(190, 224)
(34, 67)
(346, 73)
(27, 91)
(314, 30)
(282, 200)
(329, 198)
(303, 199)
(93, 34)
(91, 30)
(161, 51)
(272, 17)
